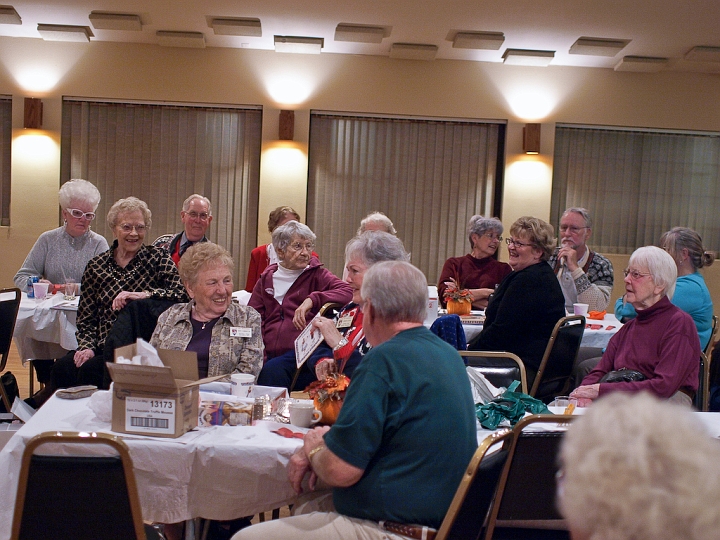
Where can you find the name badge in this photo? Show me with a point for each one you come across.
(344, 322)
(238, 331)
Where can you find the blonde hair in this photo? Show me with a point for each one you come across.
(539, 232)
(200, 256)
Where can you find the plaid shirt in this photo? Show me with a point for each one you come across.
(151, 270)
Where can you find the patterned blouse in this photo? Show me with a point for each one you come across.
(228, 353)
(151, 270)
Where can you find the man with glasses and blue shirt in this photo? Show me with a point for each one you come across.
(196, 215)
(584, 275)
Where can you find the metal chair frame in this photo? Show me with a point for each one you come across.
(500, 354)
(565, 323)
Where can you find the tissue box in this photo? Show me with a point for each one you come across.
(157, 401)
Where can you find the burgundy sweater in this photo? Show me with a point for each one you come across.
(473, 273)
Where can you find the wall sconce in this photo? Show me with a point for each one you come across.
(531, 139)
(33, 113)
(286, 128)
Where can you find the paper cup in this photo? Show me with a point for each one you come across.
(580, 309)
(304, 414)
(241, 384)
(40, 290)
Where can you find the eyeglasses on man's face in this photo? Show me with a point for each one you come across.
(77, 214)
(634, 274)
(571, 229)
(202, 216)
(516, 243)
(127, 228)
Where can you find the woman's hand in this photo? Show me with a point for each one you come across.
(122, 299)
(324, 368)
(83, 356)
(481, 297)
(590, 391)
(329, 331)
(300, 318)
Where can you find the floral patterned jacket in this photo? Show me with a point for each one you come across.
(228, 354)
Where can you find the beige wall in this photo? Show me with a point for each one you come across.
(330, 82)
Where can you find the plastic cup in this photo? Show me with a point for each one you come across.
(71, 290)
(40, 290)
(580, 309)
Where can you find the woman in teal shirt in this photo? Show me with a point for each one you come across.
(691, 293)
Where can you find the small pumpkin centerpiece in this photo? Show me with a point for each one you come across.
(328, 396)
(458, 299)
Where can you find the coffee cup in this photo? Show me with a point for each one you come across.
(40, 290)
(241, 384)
(304, 414)
(580, 309)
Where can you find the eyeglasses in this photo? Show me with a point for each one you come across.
(127, 228)
(492, 237)
(513, 242)
(634, 274)
(297, 246)
(573, 230)
(77, 214)
(194, 215)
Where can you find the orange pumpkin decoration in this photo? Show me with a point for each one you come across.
(328, 396)
(459, 307)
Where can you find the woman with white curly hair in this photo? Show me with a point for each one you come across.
(637, 468)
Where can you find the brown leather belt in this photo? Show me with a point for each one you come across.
(419, 532)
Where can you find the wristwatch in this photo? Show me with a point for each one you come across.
(340, 344)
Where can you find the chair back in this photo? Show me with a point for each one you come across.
(501, 368)
(702, 396)
(468, 510)
(9, 306)
(526, 493)
(163, 241)
(713, 332)
(76, 495)
(553, 375)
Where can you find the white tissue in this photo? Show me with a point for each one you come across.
(148, 353)
(101, 404)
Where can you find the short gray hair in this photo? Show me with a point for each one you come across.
(397, 291)
(679, 238)
(660, 264)
(379, 218)
(131, 204)
(200, 256)
(582, 212)
(78, 190)
(375, 246)
(635, 467)
(480, 225)
(186, 203)
(283, 235)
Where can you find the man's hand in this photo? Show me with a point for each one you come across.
(569, 255)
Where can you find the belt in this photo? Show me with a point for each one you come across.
(419, 532)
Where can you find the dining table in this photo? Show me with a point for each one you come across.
(45, 328)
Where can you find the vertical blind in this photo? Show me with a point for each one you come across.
(5, 152)
(428, 176)
(164, 153)
(638, 184)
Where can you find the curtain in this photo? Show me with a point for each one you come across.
(638, 184)
(428, 176)
(5, 153)
(164, 153)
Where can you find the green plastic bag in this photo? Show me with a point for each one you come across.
(509, 405)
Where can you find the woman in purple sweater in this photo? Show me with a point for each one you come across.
(661, 342)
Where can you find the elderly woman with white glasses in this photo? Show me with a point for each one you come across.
(290, 293)
(60, 255)
(659, 350)
(479, 271)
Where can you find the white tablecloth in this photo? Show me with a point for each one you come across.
(45, 328)
(220, 472)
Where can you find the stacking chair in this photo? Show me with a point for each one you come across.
(525, 502)
(702, 396)
(713, 332)
(553, 375)
(468, 510)
(76, 495)
(9, 306)
(499, 367)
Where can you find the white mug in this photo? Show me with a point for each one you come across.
(241, 384)
(304, 414)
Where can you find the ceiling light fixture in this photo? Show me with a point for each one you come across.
(193, 40)
(478, 40)
(641, 64)
(61, 32)
(703, 53)
(598, 46)
(360, 33)
(103, 20)
(236, 27)
(298, 44)
(413, 51)
(8, 15)
(528, 57)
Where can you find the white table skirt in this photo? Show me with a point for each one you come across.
(220, 472)
(42, 331)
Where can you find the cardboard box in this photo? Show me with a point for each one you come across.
(157, 401)
(220, 408)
